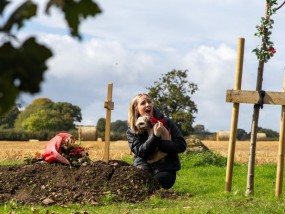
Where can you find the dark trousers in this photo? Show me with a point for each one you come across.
(166, 179)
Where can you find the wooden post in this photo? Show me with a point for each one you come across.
(79, 134)
(234, 121)
(109, 105)
(281, 148)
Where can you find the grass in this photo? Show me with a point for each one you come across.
(200, 183)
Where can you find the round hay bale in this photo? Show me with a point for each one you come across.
(223, 135)
(261, 137)
(87, 133)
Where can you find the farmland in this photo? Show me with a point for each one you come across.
(195, 191)
(18, 150)
(266, 151)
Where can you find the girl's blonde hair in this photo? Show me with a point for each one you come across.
(132, 113)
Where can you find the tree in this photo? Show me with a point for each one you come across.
(101, 123)
(269, 133)
(65, 108)
(23, 63)
(8, 119)
(119, 126)
(199, 128)
(172, 95)
(242, 134)
(44, 114)
(42, 120)
(35, 106)
(265, 52)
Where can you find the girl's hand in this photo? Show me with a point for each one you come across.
(158, 129)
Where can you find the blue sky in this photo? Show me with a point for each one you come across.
(132, 43)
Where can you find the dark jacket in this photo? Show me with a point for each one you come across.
(143, 146)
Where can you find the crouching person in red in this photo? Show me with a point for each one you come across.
(147, 146)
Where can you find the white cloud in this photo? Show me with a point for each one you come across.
(211, 68)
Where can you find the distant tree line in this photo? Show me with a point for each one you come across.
(270, 134)
(242, 135)
(43, 119)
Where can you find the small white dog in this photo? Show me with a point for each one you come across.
(144, 123)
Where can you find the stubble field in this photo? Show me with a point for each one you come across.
(18, 150)
(266, 151)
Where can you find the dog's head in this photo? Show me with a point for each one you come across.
(143, 123)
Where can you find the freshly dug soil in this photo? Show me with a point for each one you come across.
(94, 183)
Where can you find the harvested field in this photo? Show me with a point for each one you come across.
(18, 150)
(266, 151)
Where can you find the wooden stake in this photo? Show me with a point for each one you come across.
(281, 148)
(79, 134)
(109, 105)
(234, 121)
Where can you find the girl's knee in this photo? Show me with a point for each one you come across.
(166, 179)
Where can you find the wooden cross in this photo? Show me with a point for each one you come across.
(109, 105)
(237, 96)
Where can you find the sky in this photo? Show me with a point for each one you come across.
(133, 43)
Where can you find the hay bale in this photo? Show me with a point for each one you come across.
(87, 133)
(223, 135)
(261, 137)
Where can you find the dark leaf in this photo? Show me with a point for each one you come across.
(23, 74)
(3, 4)
(25, 11)
(75, 11)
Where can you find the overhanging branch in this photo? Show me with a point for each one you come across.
(277, 8)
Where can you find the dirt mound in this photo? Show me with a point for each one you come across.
(96, 182)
